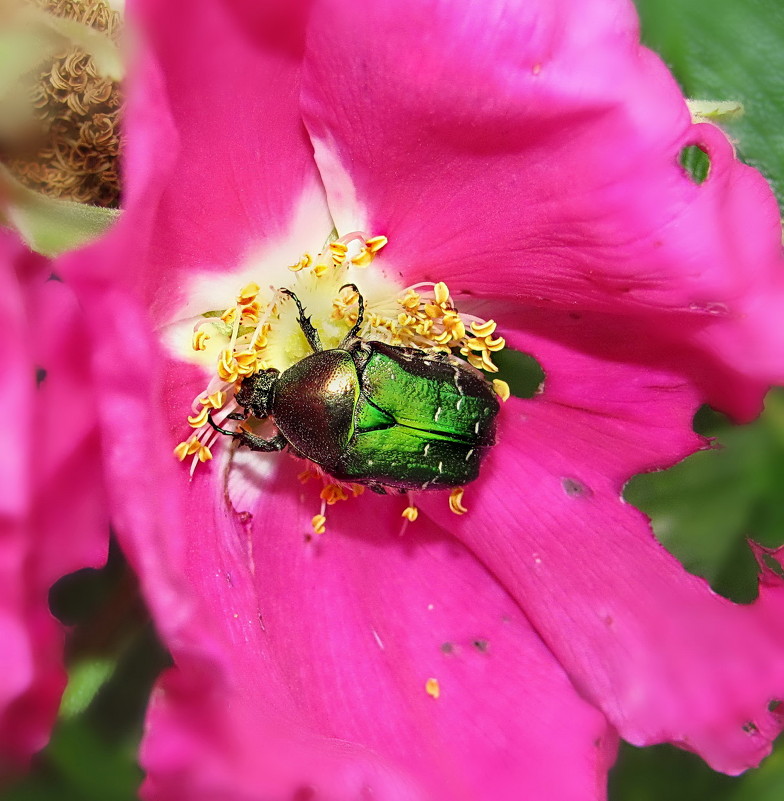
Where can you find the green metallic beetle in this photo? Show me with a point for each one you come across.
(372, 413)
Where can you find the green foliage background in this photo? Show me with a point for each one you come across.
(702, 509)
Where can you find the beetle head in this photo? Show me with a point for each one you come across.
(255, 391)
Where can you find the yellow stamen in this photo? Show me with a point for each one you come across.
(199, 341)
(305, 476)
(433, 688)
(304, 262)
(456, 501)
(375, 243)
(363, 258)
(501, 389)
(200, 419)
(205, 454)
(441, 292)
(216, 400)
(332, 493)
(248, 293)
(181, 451)
(483, 329)
(319, 524)
(411, 513)
(193, 446)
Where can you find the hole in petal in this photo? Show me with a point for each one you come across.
(704, 509)
(695, 162)
(522, 372)
(40, 376)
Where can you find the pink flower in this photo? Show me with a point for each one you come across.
(526, 153)
(53, 516)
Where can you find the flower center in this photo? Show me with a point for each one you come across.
(263, 331)
(65, 140)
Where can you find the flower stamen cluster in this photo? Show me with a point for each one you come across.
(260, 331)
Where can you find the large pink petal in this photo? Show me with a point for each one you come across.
(529, 150)
(53, 518)
(221, 116)
(654, 647)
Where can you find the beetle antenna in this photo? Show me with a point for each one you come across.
(360, 313)
(304, 323)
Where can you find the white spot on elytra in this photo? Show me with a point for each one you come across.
(437, 414)
(469, 454)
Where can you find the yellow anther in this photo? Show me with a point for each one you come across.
(456, 501)
(332, 493)
(495, 344)
(305, 476)
(205, 454)
(199, 341)
(441, 291)
(319, 524)
(487, 363)
(363, 258)
(476, 344)
(321, 268)
(442, 338)
(246, 358)
(410, 301)
(483, 329)
(375, 243)
(338, 251)
(501, 389)
(193, 446)
(433, 688)
(248, 293)
(228, 315)
(181, 451)
(405, 319)
(410, 513)
(216, 400)
(200, 419)
(433, 311)
(357, 489)
(305, 261)
(455, 325)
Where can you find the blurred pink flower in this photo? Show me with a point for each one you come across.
(53, 516)
(526, 153)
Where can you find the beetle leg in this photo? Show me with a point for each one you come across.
(222, 430)
(237, 416)
(304, 323)
(360, 313)
(276, 443)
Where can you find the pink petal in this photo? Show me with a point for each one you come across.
(651, 645)
(240, 161)
(529, 150)
(53, 518)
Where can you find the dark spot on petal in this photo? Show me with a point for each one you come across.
(229, 579)
(576, 489)
(774, 705)
(244, 517)
(304, 794)
(447, 648)
(40, 376)
(55, 277)
(308, 538)
(750, 727)
(481, 645)
(575, 315)
(608, 620)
